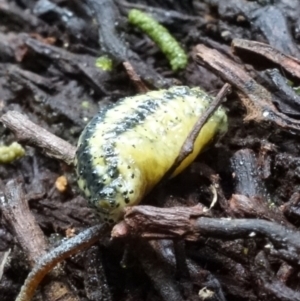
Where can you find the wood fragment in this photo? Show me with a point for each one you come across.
(95, 281)
(32, 240)
(256, 99)
(18, 215)
(52, 258)
(289, 63)
(246, 174)
(141, 87)
(158, 272)
(190, 223)
(29, 132)
(107, 15)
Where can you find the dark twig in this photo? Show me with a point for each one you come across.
(142, 218)
(188, 145)
(189, 223)
(50, 260)
(289, 63)
(250, 195)
(106, 14)
(95, 281)
(246, 174)
(80, 65)
(31, 133)
(141, 87)
(158, 272)
(257, 100)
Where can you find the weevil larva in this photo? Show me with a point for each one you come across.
(127, 148)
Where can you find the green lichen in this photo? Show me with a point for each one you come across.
(11, 153)
(105, 63)
(161, 36)
(295, 88)
(85, 104)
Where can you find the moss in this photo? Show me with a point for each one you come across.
(11, 153)
(104, 63)
(161, 36)
(85, 104)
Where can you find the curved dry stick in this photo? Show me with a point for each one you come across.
(50, 260)
(289, 63)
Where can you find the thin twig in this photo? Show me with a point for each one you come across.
(188, 145)
(141, 87)
(34, 135)
(50, 260)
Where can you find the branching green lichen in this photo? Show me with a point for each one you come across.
(161, 36)
(10, 153)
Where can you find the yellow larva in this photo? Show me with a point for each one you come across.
(126, 149)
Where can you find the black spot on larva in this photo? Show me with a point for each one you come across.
(132, 176)
(141, 112)
(108, 149)
(168, 95)
(113, 172)
(131, 191)
(127, 200)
